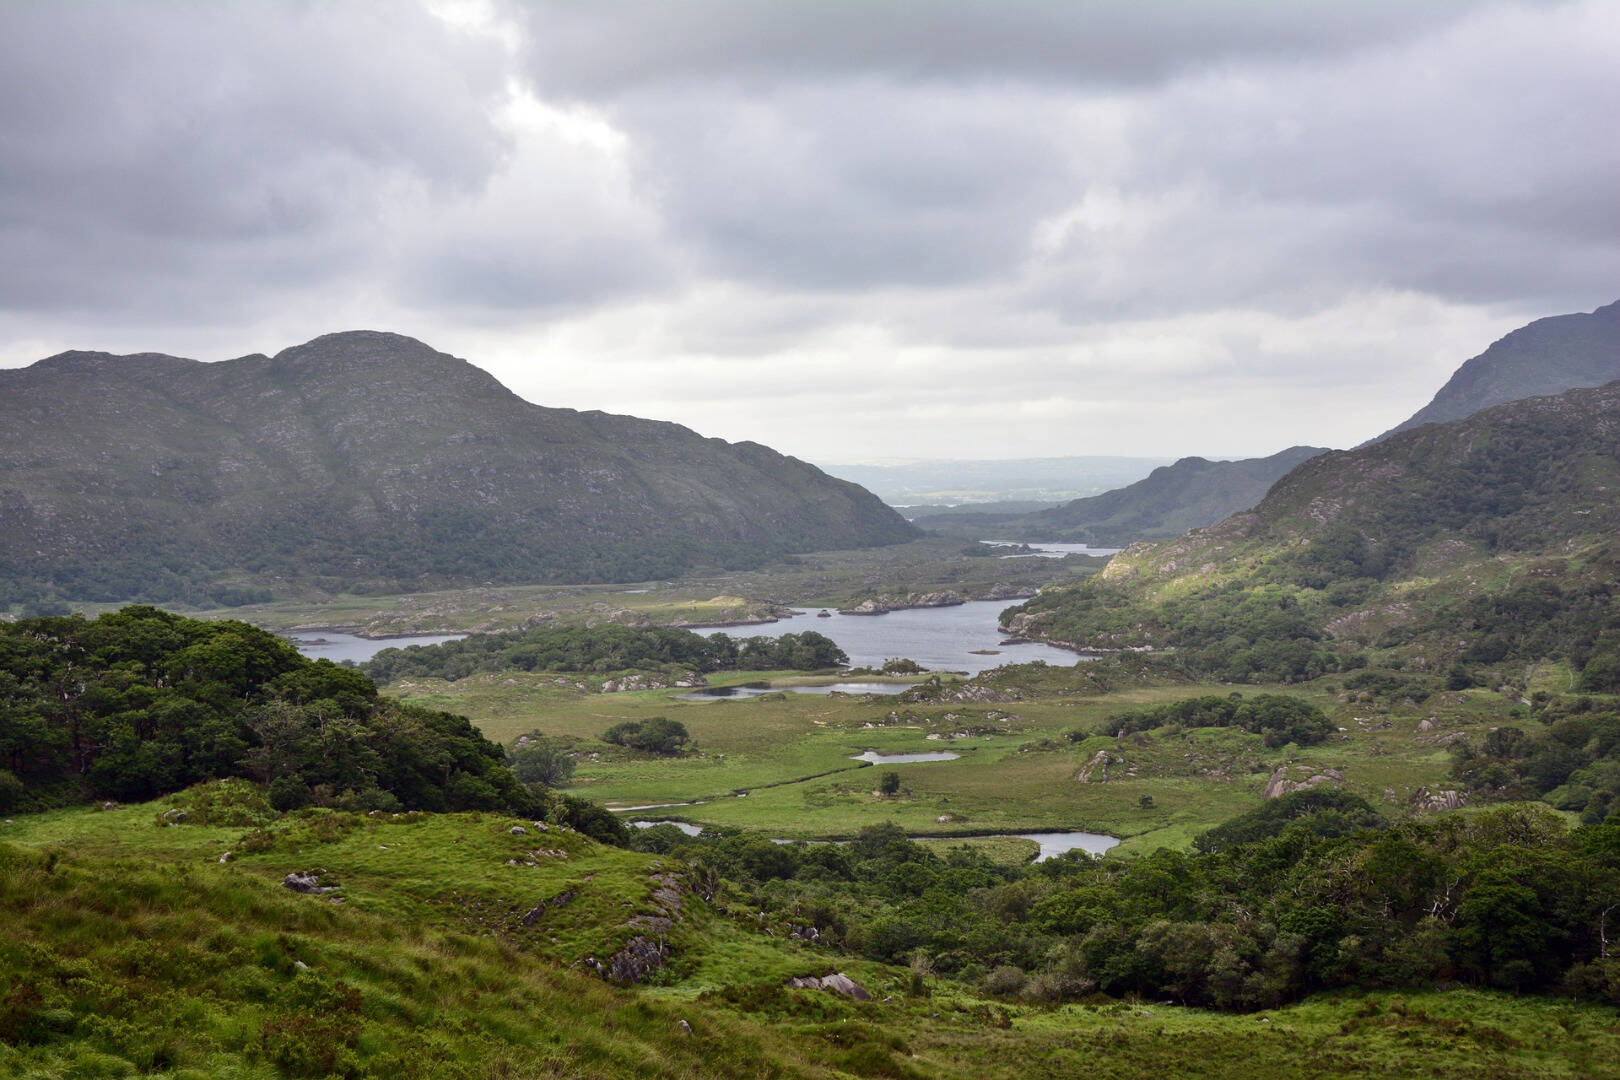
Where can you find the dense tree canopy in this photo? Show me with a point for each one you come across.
(606, 648)
(141, 702)
(1278, 718)
(1310, 892)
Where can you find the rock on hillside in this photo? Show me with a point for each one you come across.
(368, 459)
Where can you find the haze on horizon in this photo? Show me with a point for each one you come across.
(890, 229)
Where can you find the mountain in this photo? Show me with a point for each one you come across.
(1190, 494)
(368, 460)
(1548, 356)
(1482, 540)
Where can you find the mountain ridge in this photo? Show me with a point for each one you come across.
(1547, 356)
(369, 459)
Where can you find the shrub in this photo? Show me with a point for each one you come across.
(655, 735)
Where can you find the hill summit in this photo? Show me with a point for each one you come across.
(1548, 356)
(368, 460)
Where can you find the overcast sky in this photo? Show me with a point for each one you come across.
(849, 229)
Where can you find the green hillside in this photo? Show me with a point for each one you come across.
(1489, 540)
(369, 461)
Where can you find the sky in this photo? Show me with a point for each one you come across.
(854, 230)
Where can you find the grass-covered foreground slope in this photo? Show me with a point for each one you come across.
(128, 949)
(1488, 542)
(368, 460)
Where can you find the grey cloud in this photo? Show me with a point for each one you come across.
(594, 50)
(153, 151)
(851, 184)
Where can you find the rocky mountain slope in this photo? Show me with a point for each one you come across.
(369, 460)
(1548, 356)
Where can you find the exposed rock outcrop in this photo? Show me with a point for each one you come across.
(1287, 779)
(838, 983)
(308, 882)
(1097, 768)
(1447, 799)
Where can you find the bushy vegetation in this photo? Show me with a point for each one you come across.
(654, 735)
(1571, 759)
(536, 759)
(140, 702)
(1313, 891)
(1278, 718)
(603, 649)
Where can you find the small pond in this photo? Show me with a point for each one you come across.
(904, 759)
(1056, 843)
(685, 827)
(759, 689)
(336, 647)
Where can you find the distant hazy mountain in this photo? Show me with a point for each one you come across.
(1548, 356)
(1190, 494)
(1013, 480)
(368, 460)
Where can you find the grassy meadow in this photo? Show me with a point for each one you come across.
(1019, 770)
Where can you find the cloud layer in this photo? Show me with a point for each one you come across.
(858, 229)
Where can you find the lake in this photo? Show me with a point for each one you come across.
(959, 638)
(336, 647)
(903, 759)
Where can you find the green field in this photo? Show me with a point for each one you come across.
(1018, 770)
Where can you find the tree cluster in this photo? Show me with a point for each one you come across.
(654, 735)
(1313, 892)
(141, 702)
(1571, 760)
(604, 649)
(1277, 718)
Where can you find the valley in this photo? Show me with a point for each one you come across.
(1343, 764)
